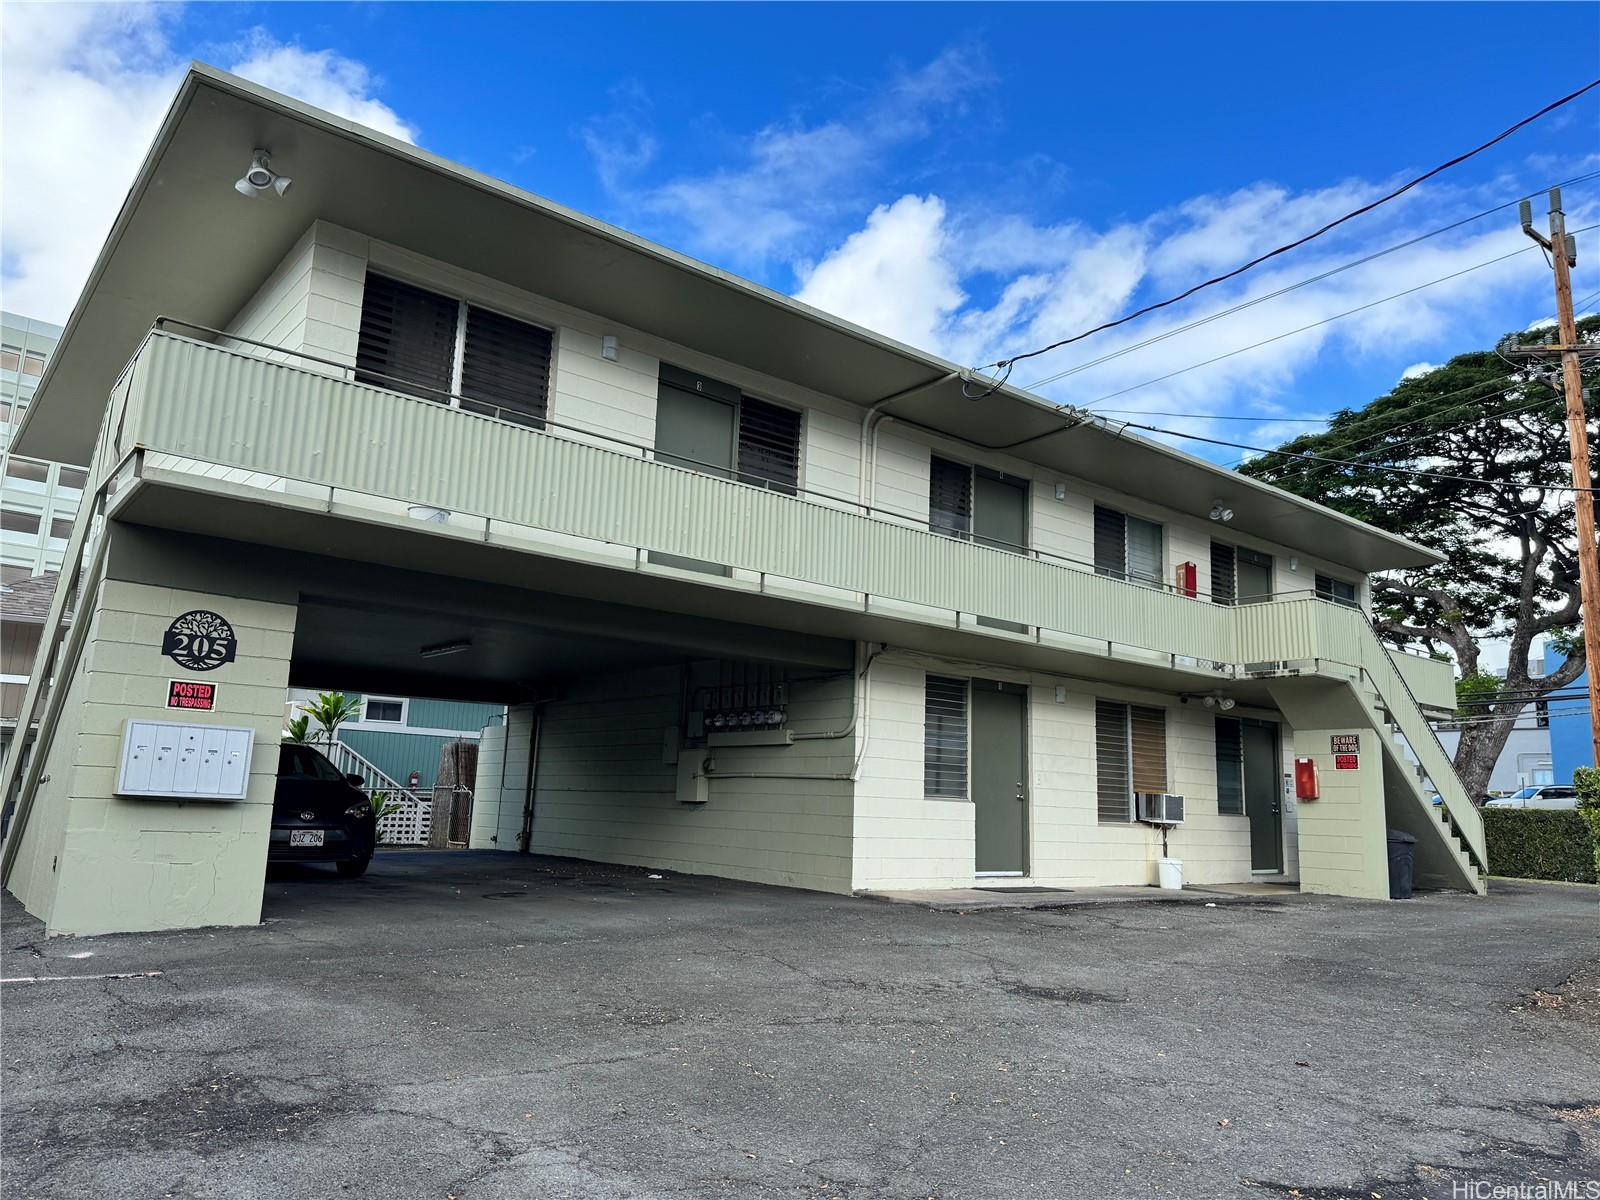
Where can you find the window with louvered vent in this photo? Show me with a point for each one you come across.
(1127, 547)
(505, 368)
(1340, 591)
(408, 344)
(1224, 580)
(1230, 766)
(408, 338)
(949, 497)
(769, 445)
(1130, 756)
(944, 738)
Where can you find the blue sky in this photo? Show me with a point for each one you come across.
(974, 179)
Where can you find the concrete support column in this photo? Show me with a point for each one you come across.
(95, 862)
(1343, 834)
(501, 792)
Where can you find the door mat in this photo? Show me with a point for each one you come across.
(1021, 890)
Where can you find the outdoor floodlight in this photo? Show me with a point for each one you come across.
(261, 176)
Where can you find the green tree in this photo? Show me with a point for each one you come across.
(331, 710)
(298, 728)
(1511, 569)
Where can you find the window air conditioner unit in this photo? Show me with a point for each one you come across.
(1159, 808)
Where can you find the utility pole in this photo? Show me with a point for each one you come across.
(1563, 250)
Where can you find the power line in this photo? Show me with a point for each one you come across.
(1007, 363)
(1147, 412)
(1077, 416)
(1283, 291)
(1523, 698)
(1350, 312)
(1510, 377)
(1363, 422)
(1361, 460)
(1340, 462)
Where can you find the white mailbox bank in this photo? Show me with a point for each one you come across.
(184, 762)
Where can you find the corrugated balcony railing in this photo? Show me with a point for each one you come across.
(207, 404)
(260, 420)
(1431, 680)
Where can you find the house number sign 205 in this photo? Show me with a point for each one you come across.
(200, 640)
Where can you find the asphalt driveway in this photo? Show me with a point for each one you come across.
(488, 1025)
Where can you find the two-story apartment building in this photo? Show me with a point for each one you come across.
(768, 596)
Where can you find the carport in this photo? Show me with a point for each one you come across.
(599, 690)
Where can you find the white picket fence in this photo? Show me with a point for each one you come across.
(411, 821)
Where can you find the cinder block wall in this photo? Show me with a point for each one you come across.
(94, 862)
(607, 786)
(904, 839)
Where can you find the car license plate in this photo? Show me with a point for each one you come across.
(305, 837)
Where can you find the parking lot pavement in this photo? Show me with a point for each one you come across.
(491, 1025)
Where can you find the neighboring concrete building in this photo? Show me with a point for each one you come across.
(1525, 759)
(1571, 733)
(24, 605)
(38, 499)
(768, 596)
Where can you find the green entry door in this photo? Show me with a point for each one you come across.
(696, 427)
(1000, 519)
(1255, 576)
(1263, 795)
(999, 777)
(1000, 510)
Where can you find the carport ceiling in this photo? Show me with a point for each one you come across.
(367, 649)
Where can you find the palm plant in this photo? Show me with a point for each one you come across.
(382, 804)
(298, 729)
(331, 710)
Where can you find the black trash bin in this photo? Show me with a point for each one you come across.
(1402, 851)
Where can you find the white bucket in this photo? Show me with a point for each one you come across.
(1169, 874)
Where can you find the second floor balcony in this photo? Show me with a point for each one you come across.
(240, 428)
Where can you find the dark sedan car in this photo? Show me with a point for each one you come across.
(319, 815)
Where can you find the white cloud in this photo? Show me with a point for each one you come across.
(789, 179)
(84, 88)
(892, 276)
(1418, 370)
(1050, 282)
(321, 78)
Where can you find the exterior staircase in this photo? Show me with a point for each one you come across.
(411, 823)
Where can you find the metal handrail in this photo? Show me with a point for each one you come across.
(1410, 695)
(545, 424)
(386, 782)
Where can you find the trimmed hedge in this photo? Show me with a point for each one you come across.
(1587, 780)
(1537, 843)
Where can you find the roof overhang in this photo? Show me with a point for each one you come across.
(186, 245)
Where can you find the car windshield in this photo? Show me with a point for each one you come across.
(1526, 793)
(296, 761)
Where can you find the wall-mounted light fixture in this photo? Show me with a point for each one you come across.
(261, 176)
(1220, 512)
(608, 347)
(1214, 700)
(1061, 491)
(440, 649)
